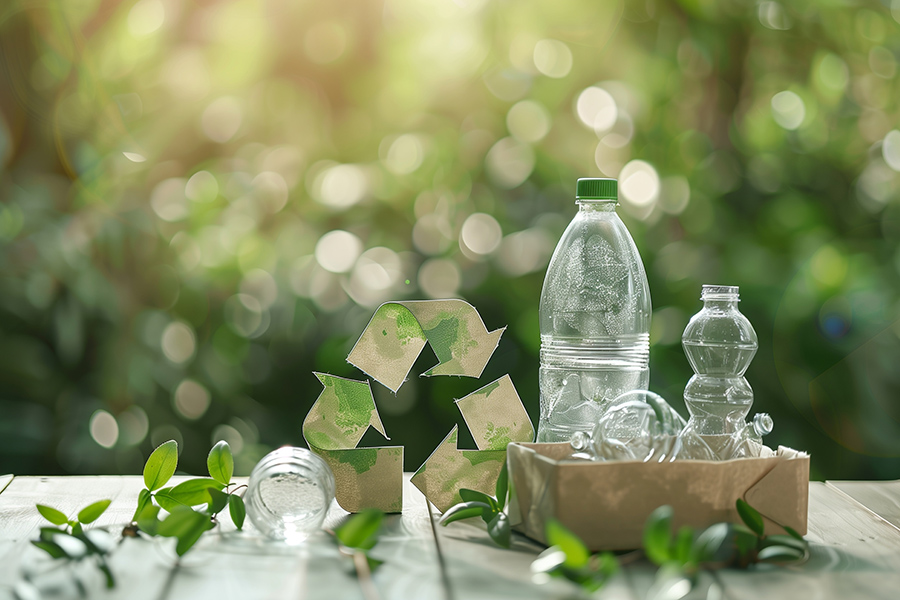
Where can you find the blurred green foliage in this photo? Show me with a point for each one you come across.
(203, 202)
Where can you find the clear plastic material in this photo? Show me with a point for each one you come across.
(640, 425)
(595, 322)
(289, 494)
(747, 442)
(719, 343)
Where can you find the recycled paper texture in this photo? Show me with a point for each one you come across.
(495, 416)
(607, 503)
(364, 477)
(398, 331)
(386, 351)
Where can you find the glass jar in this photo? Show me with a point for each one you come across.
(289, 494)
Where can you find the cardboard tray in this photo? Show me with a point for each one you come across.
(607, 503)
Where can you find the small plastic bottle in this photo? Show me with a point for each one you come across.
(594, 317)
(289, 494)
(748, 442)
(719, 343)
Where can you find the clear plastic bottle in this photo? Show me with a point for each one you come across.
(719, 343)
(289, 493)
(594, 317)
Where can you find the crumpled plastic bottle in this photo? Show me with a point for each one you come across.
(639, 425)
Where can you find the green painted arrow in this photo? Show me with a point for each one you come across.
(495, 416)
(365, 477)
(398, 331)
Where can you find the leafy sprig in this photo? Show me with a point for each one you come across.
(186, 522)
(680, 556)
(355, 538)
(359, 534)
(69, 540)
(754, 546)
(568, 558)
(683, 555)
(491, 509)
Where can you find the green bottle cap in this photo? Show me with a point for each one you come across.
(596, 188)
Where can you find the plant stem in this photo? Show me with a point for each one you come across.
(364, 574)
(170, 580)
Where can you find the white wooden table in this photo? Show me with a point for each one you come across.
(854, 531)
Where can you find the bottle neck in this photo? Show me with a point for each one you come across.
(720, 304)
(596, 206)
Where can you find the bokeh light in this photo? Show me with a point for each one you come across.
(202, 203)
(104, 428)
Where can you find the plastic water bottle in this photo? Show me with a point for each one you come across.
(719, 343)
(594, 317)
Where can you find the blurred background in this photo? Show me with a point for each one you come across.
(202, 202)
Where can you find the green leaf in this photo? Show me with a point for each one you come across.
(220, 463)
(194, 491)
(475, 496)
(499, 530)
(91, 513)
(50, 548)
(161, 465)
(148, 520)
(76, 528)
(744, 539)
(145, 498)
(549, 560)
(71, 545)
(47, 533)
(502, 486)
(793, 533)
(786, 540)
(52, 515)
(237, 509)
(98, 541)
(709, 542)
(361, 530)
(218, 500)
(684, 540)
(607, 564)
(164, 498)
(658, 535)
(374, 563)
(187, 526)
(464, 510)
(751, 517)
(110, 580)
(576, 552)
(780, 554)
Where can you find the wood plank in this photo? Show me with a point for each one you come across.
(226, 565)
(881, 497)
(853, 554)
(479, 569)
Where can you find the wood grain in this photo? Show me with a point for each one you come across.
(855, 554)
(881, 497)
(226, 565)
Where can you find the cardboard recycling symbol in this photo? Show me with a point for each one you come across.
(386, 351)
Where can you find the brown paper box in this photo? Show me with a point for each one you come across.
(607, 503)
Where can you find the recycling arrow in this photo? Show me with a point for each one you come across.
(386, 351)
(364, 477)
(495, 416)
(398, 331)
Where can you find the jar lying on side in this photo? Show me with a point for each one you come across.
(289, 494)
